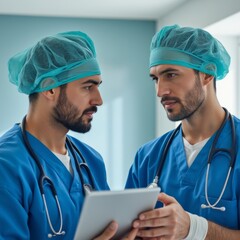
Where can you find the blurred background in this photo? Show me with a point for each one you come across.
(121, 30)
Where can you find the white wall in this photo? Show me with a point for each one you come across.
(226, 88)
(201, 13)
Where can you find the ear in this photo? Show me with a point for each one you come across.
(51, 94)
(207, 79)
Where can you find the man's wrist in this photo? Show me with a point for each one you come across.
(198, 227)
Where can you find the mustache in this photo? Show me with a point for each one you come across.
(91, 109)
(169, 99)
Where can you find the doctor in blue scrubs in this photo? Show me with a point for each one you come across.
(61, 75)
(199, 175)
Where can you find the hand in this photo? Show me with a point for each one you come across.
(111, 230)
(131, 235)
(168, 222)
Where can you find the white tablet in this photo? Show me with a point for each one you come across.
(102, 207)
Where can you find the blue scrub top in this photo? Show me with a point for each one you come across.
(187, 184)
(22, 213)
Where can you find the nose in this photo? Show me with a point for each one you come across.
(161, 88)
(97, 98)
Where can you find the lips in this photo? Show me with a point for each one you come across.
(90, 111)
(168, 103)
(89, 114)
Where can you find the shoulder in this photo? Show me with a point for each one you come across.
(12, 148)
(15, 170)
(236, 123)
(11, 142)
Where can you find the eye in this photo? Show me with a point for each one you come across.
(88, 87)
(171, 75)
(155, 79)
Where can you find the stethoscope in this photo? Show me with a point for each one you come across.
(87, 187)
(231, 151)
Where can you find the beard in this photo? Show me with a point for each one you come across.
(194, 99)
(67, 114)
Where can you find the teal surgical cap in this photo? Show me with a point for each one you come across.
(53, 61)
(189, 47)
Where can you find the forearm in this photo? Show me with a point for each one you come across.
(217, 232)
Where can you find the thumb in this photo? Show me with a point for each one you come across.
(131, 235)
(166, 199)
(109, 232)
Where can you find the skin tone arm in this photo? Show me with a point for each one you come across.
(110, 231)
(221, 233)
(172, 222)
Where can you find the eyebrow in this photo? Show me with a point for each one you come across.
(165, 71)
(92, 82)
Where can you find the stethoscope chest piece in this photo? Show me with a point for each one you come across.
(231, 151)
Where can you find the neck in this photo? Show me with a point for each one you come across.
(51, 134)
(203, 124)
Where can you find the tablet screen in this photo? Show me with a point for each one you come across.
(124, 206)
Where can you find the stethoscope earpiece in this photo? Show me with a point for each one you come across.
(50, 235)
(223, 209)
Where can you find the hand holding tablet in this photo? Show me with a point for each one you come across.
(102, 207)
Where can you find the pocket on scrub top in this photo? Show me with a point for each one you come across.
(227, 218)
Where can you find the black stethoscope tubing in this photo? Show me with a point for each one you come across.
(232, 150)
(72, 149)
(86, 186)
(43, 177)
(165, 151)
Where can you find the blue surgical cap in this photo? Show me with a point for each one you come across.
(189, 47)
(53, 61)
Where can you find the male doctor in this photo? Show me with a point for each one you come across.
(198, 200)
(61, 75)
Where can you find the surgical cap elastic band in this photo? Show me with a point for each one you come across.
(73, 72)
(164, 55)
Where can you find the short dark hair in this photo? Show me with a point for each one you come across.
(32, 97)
